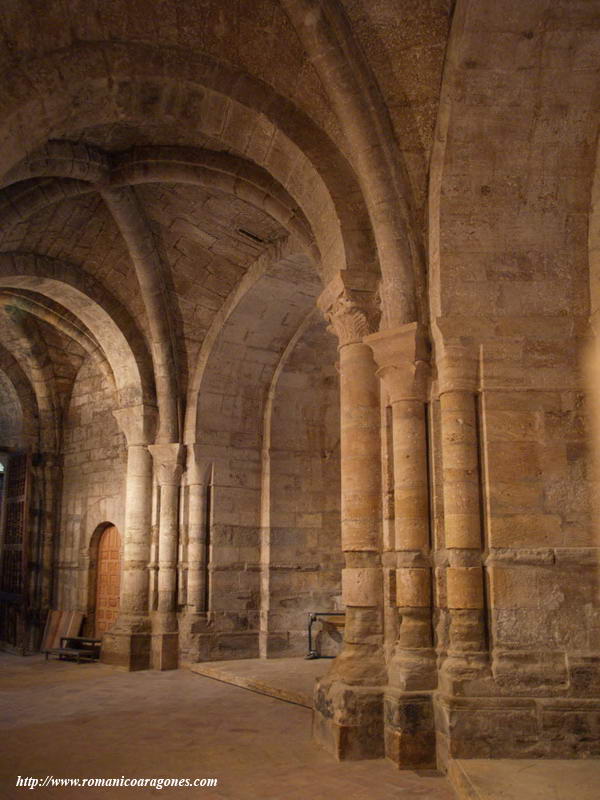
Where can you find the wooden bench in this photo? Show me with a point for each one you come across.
(79, 648)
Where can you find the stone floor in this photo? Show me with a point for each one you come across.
(89, 720)
(290, 679)
(527, 779)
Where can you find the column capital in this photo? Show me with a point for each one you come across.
(457, 358)
(402, 358)
(458, 368)
(351, 304)
(137, 423)
(198, 466)
(168, 462)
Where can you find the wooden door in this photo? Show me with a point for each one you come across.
(108, 580)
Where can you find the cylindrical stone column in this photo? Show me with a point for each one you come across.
(348, 704)
(168, 530)
(128, 642)
(413, 662)
(196, 556)
(133, 610)
(359, 423)
(168, 470)
(361, 512)
(402, 355)
(198, 476)
(462, 516)
(352, 310)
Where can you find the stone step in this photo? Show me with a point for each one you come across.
(525, 779)
(288, 679)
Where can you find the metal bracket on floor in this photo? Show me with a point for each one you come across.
(313, 616)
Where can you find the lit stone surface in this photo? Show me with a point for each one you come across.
(302, 297)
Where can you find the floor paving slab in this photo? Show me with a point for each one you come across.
(526, 779)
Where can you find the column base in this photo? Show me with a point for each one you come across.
(165, 651)
(517, 727)
(191, 625)
(202, 638)
(410, 729)
(131, 651)
(467, 674)
(413, 670)
(348, 720)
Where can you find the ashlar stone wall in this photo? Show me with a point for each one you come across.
(305, 554)
(517, 562)
(93, 479)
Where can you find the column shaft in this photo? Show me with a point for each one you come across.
(361, 661)
(411, 493)
(348, 717)
(168, 469)
(462, 523)
(196, 585)
(167, 547)
(136, 539)
(402, 355)
(360, 446)
(413, 661)
(462, 519)
(127, 644)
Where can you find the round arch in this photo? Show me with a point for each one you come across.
(108, 321)
(25, 395)
(282, 272)
(31, 350)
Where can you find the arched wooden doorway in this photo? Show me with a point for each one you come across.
(108, 580)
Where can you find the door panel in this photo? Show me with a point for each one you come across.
(108, 580)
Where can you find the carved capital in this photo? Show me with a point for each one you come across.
(458, 370)
(137, 423)
(351, 304)
(457, 359)
(198, 466)
(402, 357)
(168, 462)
